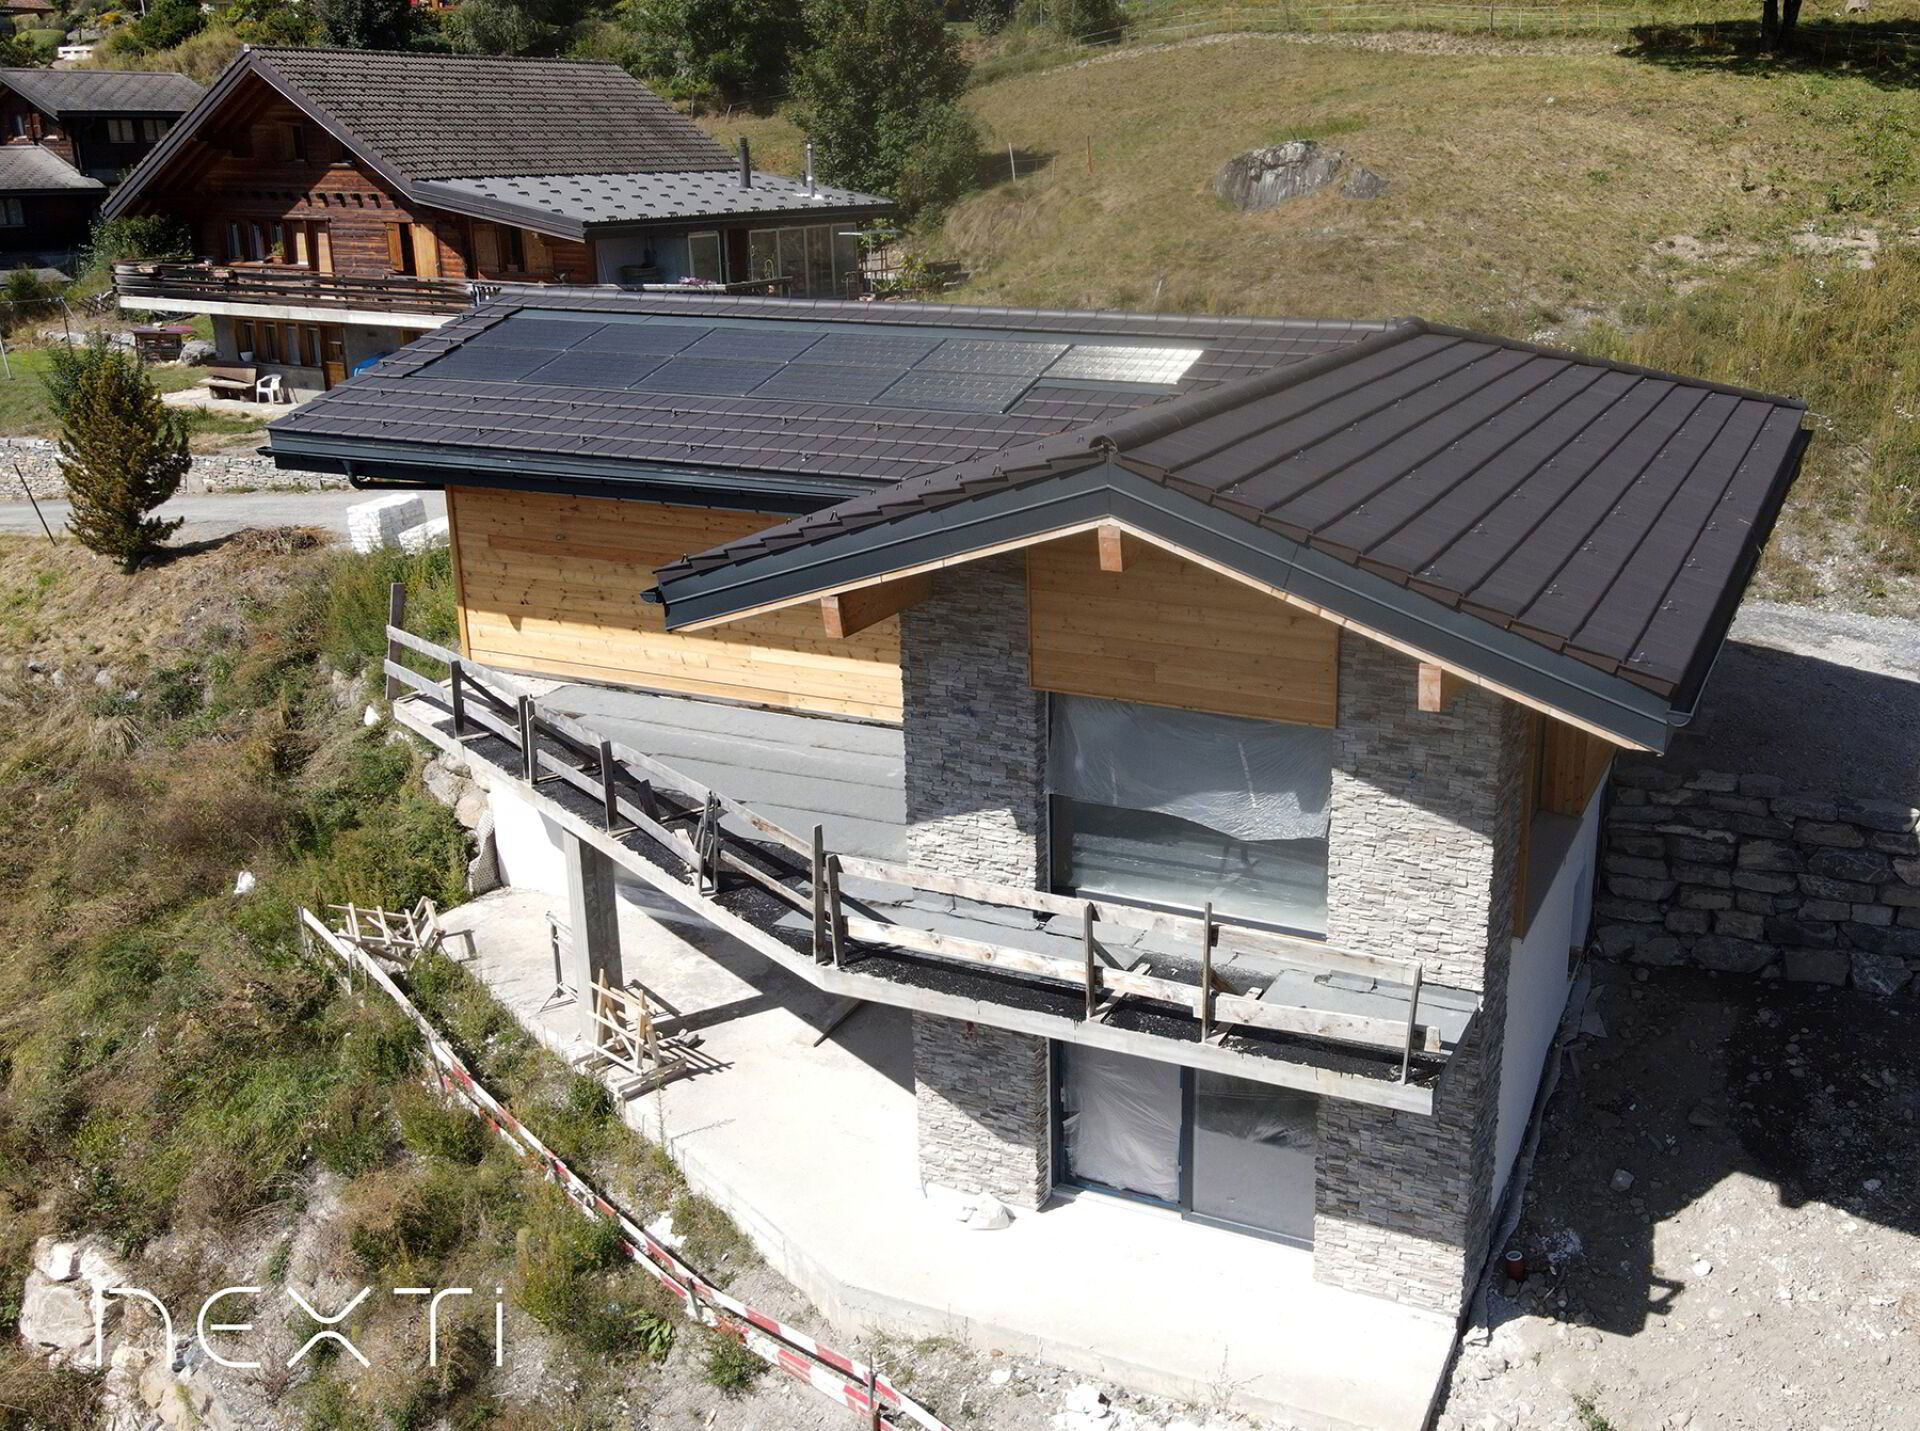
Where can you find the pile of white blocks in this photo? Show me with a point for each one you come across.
(396, 520)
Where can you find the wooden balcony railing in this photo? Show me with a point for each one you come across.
(262, 283)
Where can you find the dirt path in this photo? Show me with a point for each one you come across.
(1762, 1268)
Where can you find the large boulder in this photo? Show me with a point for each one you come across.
(56, 1317)
(1262, 178)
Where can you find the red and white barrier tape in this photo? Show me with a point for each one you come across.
(834, 1375)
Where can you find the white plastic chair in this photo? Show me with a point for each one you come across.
(268, 389)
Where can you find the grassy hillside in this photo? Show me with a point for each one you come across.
(176, 1076)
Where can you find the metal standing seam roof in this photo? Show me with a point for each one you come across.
(32, 169)
(429, 404)
(596, 199)
(135, 92)
(1597, 510)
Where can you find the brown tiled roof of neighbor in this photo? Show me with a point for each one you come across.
(31, 169)
(1593, 508)
(70, 92)
(469, 116)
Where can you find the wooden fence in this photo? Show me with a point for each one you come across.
(636, 794)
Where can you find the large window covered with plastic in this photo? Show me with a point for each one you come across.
(1180, 809)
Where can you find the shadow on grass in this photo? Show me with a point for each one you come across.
(1883, 52)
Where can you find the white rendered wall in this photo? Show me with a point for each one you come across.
(530, 847)
(1538, 983)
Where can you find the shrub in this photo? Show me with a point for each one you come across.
(352, 1135)
(729, 1365)
(122, 452)
(165, 24)
(1074, 19)
(147, 236)
(728, 49)
(429, 1127)
(365, 24)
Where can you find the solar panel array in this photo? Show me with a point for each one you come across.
(981, 375)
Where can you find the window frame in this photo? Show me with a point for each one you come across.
(13, 213)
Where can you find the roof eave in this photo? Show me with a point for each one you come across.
(614, 228)
(473, 206)
(1026, 511)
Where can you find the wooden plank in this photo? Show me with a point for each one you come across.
(1095, 630)
(551, 584)
(855, 611)
(1439, 688)
(1572, 765)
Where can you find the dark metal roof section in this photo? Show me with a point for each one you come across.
(750, 398)
(470, 116)
(35, 169)
(601, 202)
(454, 131)
(1606, 515)
(67, 93)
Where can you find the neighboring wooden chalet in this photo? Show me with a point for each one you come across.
(345, 201)
(1241, 694)
(68, 136)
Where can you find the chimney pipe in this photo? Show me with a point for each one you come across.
(746, 165)
(812, 192)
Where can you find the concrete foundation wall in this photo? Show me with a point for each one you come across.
(976, 736)
(982, 1099)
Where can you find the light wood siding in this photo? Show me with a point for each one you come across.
(1572, 763)
(552, 584)
(1166, 632)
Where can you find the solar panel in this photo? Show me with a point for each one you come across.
(1097, 363)
(958, 392)
(643, 338)
(752, 343)
(520, 331)
(731, 377)
(872, 350)
(991, 355)
(489, 365)
(579, 369)
(827, 382)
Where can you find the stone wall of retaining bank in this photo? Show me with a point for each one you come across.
(37, 460)
(1731, 873)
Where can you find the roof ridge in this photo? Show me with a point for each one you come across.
(1638, 370)
(1160, 419)
(421, 55)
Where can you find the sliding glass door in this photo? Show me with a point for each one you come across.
(1218, 1148)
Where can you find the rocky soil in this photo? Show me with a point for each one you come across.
(1723, 1222)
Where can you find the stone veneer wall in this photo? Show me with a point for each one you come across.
(1727, 872)
(1422, 856)
(975, 734)
(981, 1098)
(38, 460)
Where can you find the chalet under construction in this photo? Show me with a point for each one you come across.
(1199, 726)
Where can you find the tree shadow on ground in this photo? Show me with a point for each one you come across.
(1883, 52)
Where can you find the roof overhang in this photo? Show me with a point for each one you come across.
(1073, 494)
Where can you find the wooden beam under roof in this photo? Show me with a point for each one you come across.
(1113, 555)
(1439, 687)
(852, 611)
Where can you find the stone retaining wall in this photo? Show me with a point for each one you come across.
(1728, 872)
(35, 458)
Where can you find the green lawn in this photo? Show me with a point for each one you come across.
(24, 411)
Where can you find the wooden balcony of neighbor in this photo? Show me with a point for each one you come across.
(158, 284)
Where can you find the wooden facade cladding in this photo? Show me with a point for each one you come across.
(551, 584)
(1165, 631)
(1572, 764)
(265, 162)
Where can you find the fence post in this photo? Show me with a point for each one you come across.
(1206, 972)
(459, 699)
(396, 618)
(817, 877)
(529, 761)
(609, 803)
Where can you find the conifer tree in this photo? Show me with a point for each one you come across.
(121, 451)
